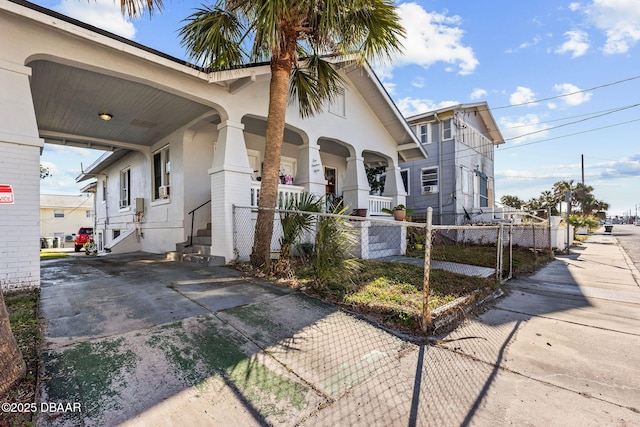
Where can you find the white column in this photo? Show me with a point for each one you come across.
(20, 147)
(356, 188)
(310, 173)
(394, 187)
(230, 185)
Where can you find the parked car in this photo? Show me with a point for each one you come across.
(82, 237)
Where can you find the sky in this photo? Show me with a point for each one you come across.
(562, 80)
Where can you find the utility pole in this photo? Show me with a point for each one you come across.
(582, 157)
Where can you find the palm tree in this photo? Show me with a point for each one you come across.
(559, 190)
(512, 201)
(297, 37)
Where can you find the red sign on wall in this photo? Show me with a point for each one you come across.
(6, 194)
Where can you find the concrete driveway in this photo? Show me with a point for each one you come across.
(136, 340)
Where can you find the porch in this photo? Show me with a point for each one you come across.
(287, 192)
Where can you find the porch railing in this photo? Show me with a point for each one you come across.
(377, 203)
(285, 193)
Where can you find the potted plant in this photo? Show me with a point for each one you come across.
(399, 212)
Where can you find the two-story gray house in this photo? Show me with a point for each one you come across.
(457, 178)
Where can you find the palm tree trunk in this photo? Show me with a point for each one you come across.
(12, 366)
(278, 97)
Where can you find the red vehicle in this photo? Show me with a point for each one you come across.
(83, 236)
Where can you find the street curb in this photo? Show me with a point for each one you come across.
(627, 259)
(449, 315)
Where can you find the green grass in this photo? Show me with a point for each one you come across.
(22, 307)
(393, 292)
(525, 260)
(52, 255)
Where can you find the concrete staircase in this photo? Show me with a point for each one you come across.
(199, 252)
(379, 243)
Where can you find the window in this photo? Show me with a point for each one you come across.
(337, 106)
(447, 129)
(58, 213)
(484, 191)
(116, 233)
(404, 174)
(467, 182)
(125, 186)
(429, 178)
(424, 132)
(161, 171)
(104, 190)
(88, 214)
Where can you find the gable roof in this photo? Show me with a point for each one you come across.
(481, 108)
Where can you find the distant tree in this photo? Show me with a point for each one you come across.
(512, 201)
(559, 190)
(533, 204)
(547, 201)
(44, 172)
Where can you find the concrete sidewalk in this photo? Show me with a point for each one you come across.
(561, 349)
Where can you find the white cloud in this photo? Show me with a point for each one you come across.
(574, 6)
(434, 37)
(576, 98)
(522, 95)
(516, 127)
(103, 14)
(533, 42)
(619, 20)
(478, 93)
(411, 106)
(418, 82)
(577, 45)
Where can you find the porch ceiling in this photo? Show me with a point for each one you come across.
(67, 102)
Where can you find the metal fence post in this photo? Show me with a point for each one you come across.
(510, 251)
(426, 313)
(549, 229)
(499, 251)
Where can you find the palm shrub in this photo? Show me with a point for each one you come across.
(296, 224)
(331, 255)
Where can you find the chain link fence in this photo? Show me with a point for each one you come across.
(481, 250)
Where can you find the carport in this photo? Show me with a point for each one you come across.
(65, 82)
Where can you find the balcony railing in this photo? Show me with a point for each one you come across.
(285, 193)
(377, 203)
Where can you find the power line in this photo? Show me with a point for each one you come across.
(566, 94)
(574, 122)
(571, 134)
(574, 116)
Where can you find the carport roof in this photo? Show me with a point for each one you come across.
(143, 114)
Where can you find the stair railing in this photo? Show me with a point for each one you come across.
(192, 213)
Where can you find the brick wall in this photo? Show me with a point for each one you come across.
(19, 222)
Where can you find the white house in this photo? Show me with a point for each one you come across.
(457, 179)
(62, 215)
(177, 136)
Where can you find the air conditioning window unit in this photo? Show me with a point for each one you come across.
(430, 189)
(164, 191)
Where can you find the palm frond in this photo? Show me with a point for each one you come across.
(135, 8)
(372, 30)
(213, 36)
(314, 84)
